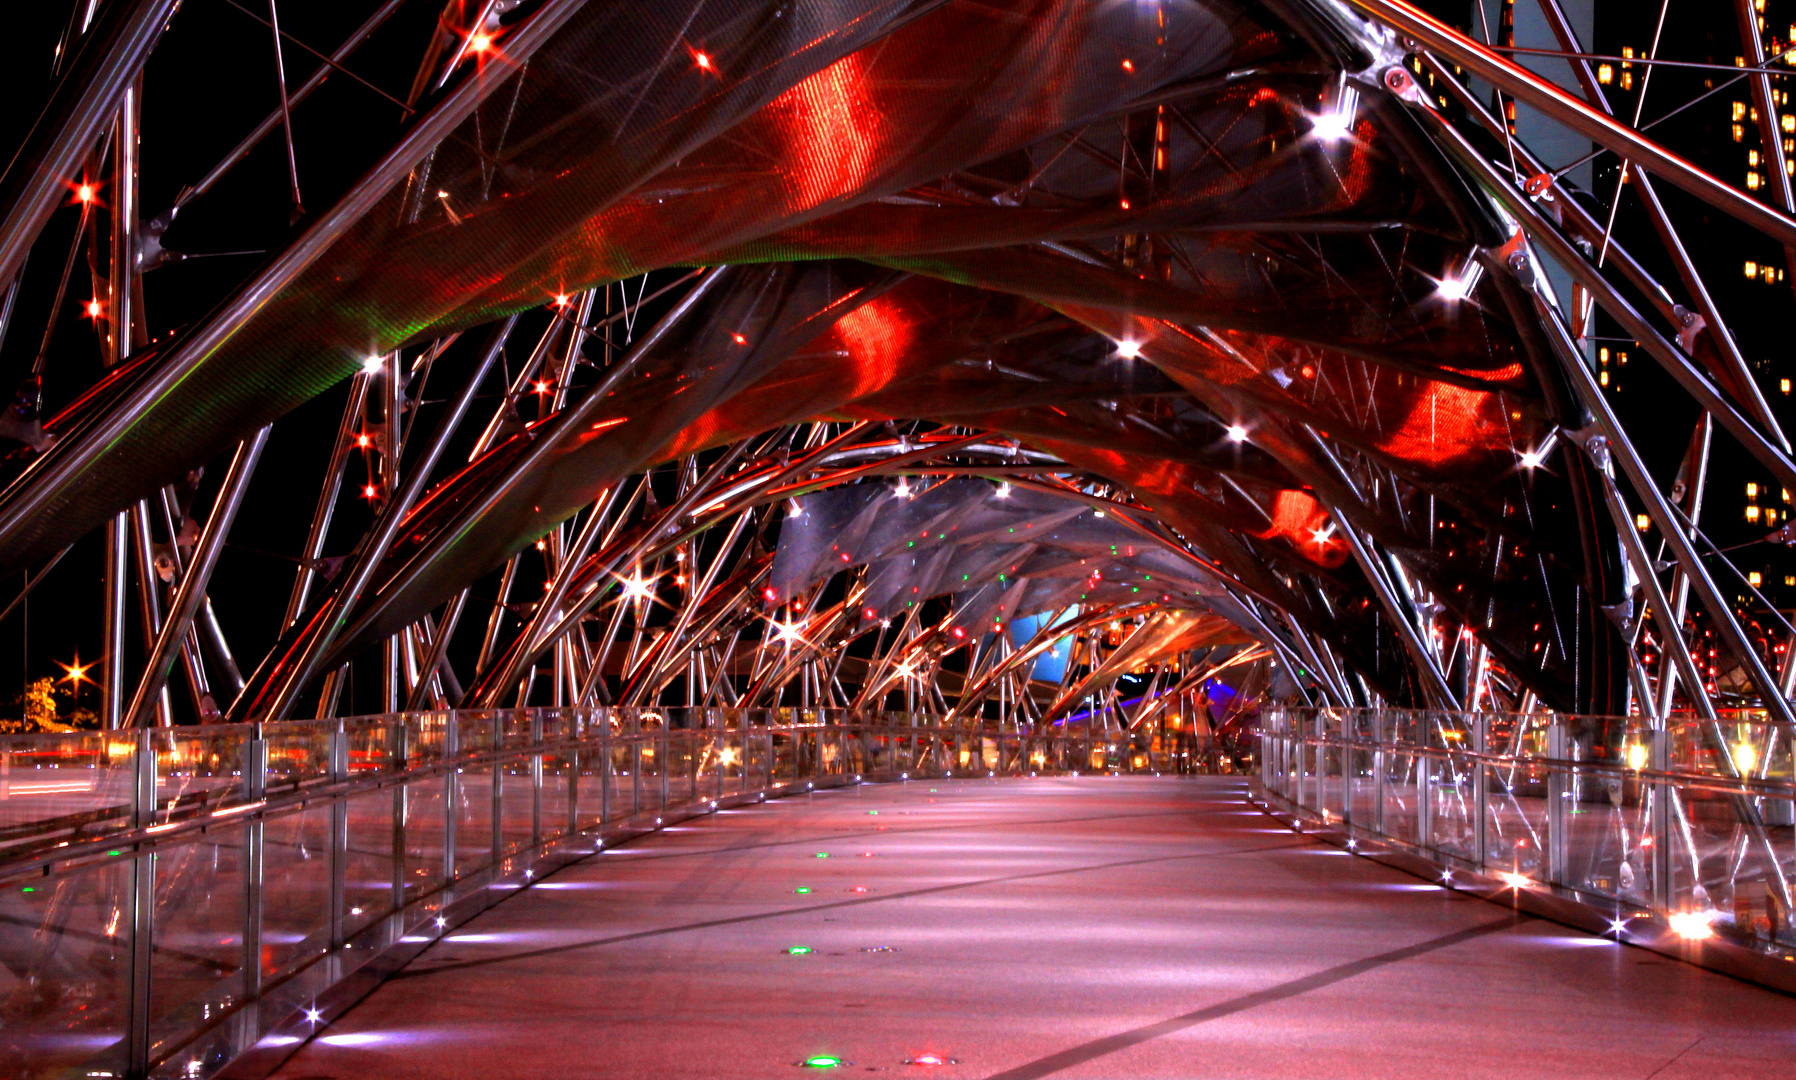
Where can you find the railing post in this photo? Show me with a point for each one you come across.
(1556, 795)
(1301, 746)
(451, 793)
(401, 751)
(1320, 726)
(1480, 790)
(143, 910)
(536, 780)
(338, 753)
(1350, 755)
(496, 794)
(663, 749)
(572, 738)
(1424, 791)
(636, 762)
(1380, 771)
(255, 785)
(1661, 821)
(605, 751)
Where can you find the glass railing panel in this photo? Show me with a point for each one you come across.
(200, 770)
(474, 840)
(424, 829)
(518, 806)
(557, 768)
(596, 786)
(198, 956)
(683, 757)
(299, 753)
(296, 887)
(370, 862)
(1453, 798)
(479, 731)
(785, 755)
(57, 789)
(67, 949)
(626, 779)
(371, 745)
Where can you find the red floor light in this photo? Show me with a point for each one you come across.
(931, 1060)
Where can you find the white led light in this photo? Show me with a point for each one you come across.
(1237, 433)
(1127, 349)
(373, 364)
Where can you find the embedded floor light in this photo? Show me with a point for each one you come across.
(798, 950)
(1691, 925)
(823, 1061)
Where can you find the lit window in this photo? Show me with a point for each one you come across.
(1627, 80)
(1739, 110)
(1786, 491)
(1752, 491)
(1752, 269)
(1752, 514)
(1754, 578)
(1739, 133)
(1788, 120)
(1770, 516)
(1605, 74)
(1752, 158)
(1602, 354)
(1753, 181)
(1790, 579)
(1642, 522)
(1603, 378)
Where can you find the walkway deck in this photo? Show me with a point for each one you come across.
(1066, 928)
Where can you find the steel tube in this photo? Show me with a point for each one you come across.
(1525, 86)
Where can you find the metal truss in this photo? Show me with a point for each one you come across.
(1219, 301)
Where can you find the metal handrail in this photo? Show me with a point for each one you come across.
(239, 1012)
(1699, 850)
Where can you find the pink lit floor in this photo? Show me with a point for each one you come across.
(1069, 928)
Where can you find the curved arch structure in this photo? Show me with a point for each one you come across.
(757, 351)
